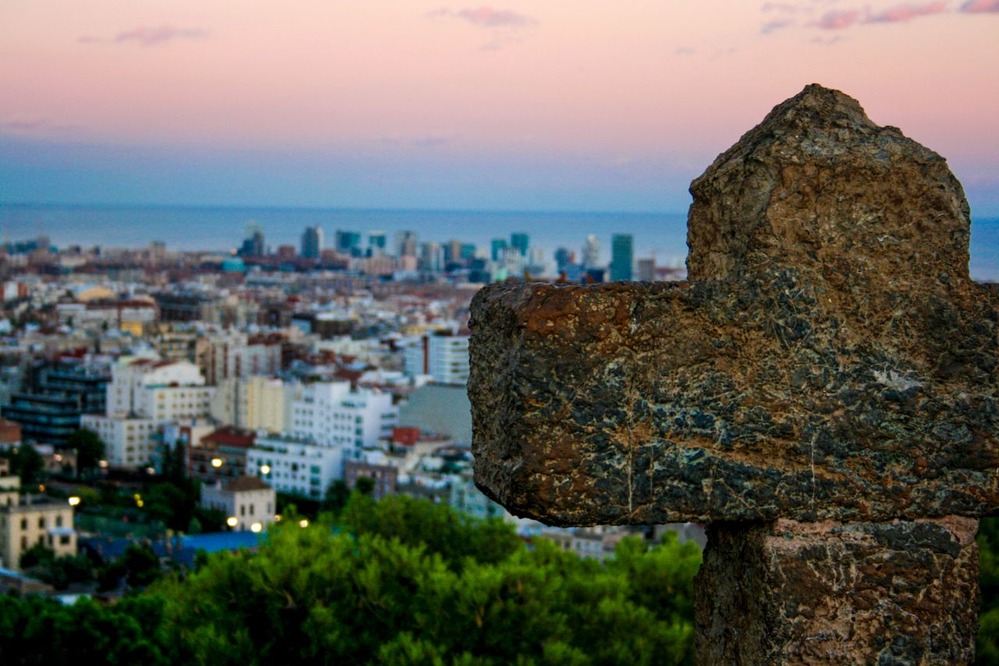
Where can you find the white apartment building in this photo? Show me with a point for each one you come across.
(233, 354)
(331, 414)
(158, 390)
(252, 403)
(441, 355)
(128, 441)
(247, 502)
(294, 465)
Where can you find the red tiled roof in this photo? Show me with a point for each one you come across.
(246, 483)
(231, 436)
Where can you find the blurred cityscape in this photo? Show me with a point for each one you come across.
(251, 381)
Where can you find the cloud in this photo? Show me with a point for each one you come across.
(980, 6)
(838, 19)
(149, 36)
(774, 26)
(902, 13)
(487, 17)
(35, 126)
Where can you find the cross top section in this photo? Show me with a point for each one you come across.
(828, 359)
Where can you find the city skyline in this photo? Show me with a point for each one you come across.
(516, 106)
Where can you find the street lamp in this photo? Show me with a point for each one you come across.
(232, 521)
(74, 500)
(216, 462)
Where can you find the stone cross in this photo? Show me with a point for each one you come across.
(822, 393)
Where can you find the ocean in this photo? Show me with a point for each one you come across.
(662, 235)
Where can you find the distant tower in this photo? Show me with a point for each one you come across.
(622, 257)
(521, 241)
(348, 242)
(312, 242)
(253, 241)
(497, 246)
(431, 257)
(377, 243)
(563, 258)
(405, 243)
(591, 252)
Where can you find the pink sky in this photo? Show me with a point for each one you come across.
(616, 105)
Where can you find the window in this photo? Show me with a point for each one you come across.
(24, 523)
(41, 522)
(64, 540)
(58, 521)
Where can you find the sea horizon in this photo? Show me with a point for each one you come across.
(221, 228)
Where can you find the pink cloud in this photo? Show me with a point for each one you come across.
(980, 6)
(838, 19)
(149, 36)
(774, 26)
(487, 17)
(902, 13)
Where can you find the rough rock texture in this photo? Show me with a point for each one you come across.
(829, 359)
(831, 593)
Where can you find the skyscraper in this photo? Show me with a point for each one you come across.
(348, 242)
(520, 241)
(591, 252)
(497, 247)
(377, 243)
(312, 242)
(405, 243)
(253, 241)
(622, 257)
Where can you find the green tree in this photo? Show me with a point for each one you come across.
(28, 464)
(90, 449)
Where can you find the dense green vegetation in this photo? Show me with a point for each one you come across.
(399, 581)
(988, 622)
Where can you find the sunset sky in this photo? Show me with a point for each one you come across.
(540, 105)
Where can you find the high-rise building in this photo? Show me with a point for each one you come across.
(253, 241)
(622, 257)
(377, 243)
(521, 241)
(452, 251)
(348, 242)
(497, 246)
(431, 257)
(443, 355)
(591, 252)
(312, 242)
(405, 243)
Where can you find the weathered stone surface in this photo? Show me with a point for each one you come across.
(832, 593)
(830, 359)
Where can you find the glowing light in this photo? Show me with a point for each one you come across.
(74, 500)
(232, 521)
(41, 487)
(103, 464)
(256, 527)
(216, 462)
(265, 469)
(303, 523)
